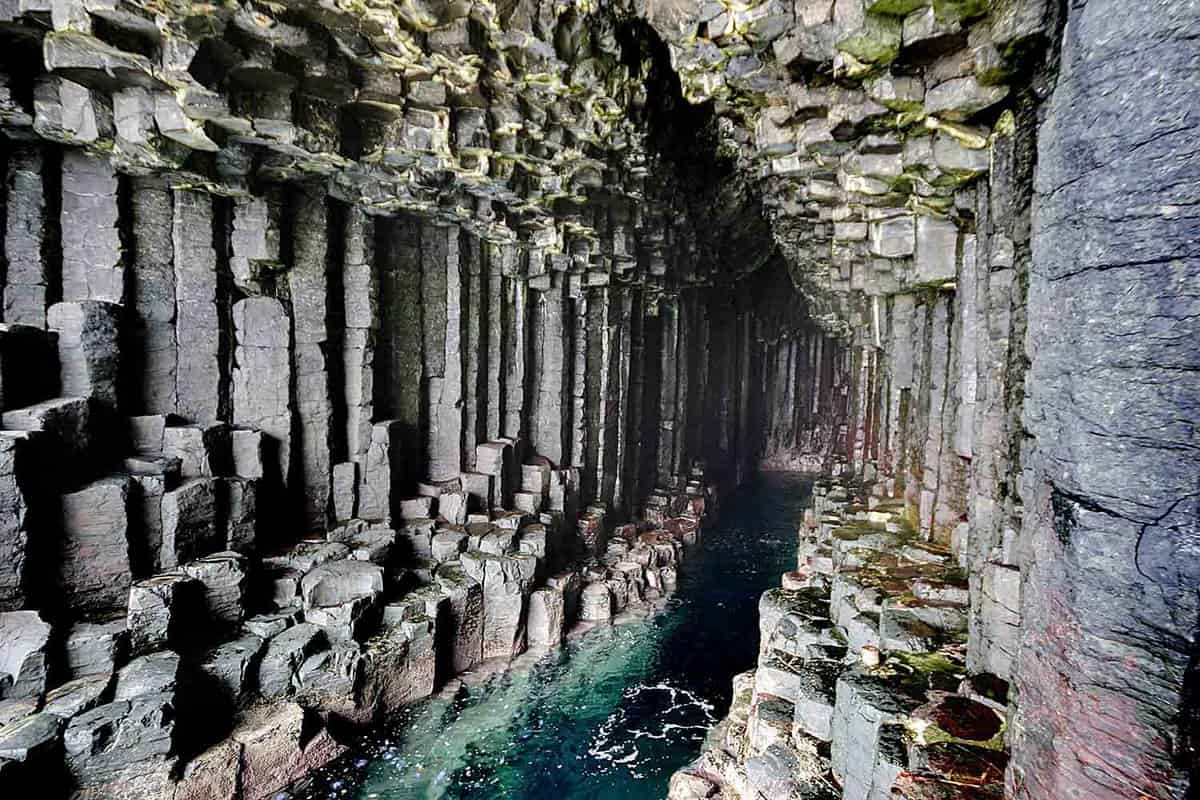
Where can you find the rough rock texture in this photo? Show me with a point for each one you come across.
(361, 330)
(830, 671)
(1108, 586)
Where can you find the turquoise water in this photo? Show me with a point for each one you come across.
(614, 712)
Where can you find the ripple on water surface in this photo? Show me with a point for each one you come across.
(614, 712)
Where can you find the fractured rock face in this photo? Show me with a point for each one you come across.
(506, 582)
(24, 641)
(279, 743)
(153, 674)
(14, 534)
(75, 697)
(262, 378)
(337, 582)
(92, 558)
(125, 742)
(33, 739)
(223, 580)
(189, 522)
(401, 665)
(161, 610)
(462, 628)
(596, 603)
(231, 668)
(545, 624)
(95, 648)
(279, 669)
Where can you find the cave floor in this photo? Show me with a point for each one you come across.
(614, 712)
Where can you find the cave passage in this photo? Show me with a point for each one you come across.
(614, 712)
(348, 349)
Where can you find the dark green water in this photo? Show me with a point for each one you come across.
(614, 712)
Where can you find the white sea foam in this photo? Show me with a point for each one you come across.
(682, 712)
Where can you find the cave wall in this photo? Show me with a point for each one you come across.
(341, 349)
(1107, 659)
(233, 379)
(993, 225)
(278, 277)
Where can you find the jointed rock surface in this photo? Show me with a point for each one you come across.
(345, 345)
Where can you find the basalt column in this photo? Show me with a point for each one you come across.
(441, 304)
(399, 362)
(1107, 670)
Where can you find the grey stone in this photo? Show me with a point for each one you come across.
(441, 293)
(401, 665)
(231, 667)
(266, 626)
(189, 522)
(345, 490)
(152, 674)
(246, 447)
(464, 616)
(306, 555)
(371, 544)
(338, 582)
(951, 155)
(24, 641)
(506, 582)
(816, 695)
(962, 98)
(313, 407)
(25, 237)
(31, 738)
(161, 610)
(937, 249)
(92, 568)
(150, 481)
(865, 703)
(596, 603)
(278, 673)
(95, 648)
(92, 269)
(203, 451)
(88, 351)
(14, 530)
(153, 354)
(239, 499)
(67, 420)
(197, 317)
(223, 580)
(414, 538)
(262, 380)
(545, 625)
(412, 508)
(447, 545)
(120, 741)
(77, 696)
(452, 507)
(480, 490)
(892, 238)
(376, 470)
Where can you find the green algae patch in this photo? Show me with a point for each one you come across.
(877, 42)
(898, 8)
(951, 11)
(923, 671)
